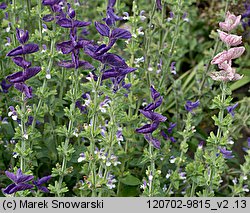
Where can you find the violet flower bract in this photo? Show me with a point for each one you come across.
(19, 182)
(155, 118)
(39, 182)
(190, 106)
(18, 79)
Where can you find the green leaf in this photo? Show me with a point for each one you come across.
(236, 85)
(130, 180)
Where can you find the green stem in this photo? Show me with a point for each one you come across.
(39, 20)
(23, 132)
(14, 21)
(152, 169)
(175, 38)
(28, 6)
(192, 193)
(148, 39)
(93, 130)
(74, 88)
(221, 112)
(217, 44)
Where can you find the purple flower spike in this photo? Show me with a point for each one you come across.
(173, 68)
(78, 23)
(148, 128)
(5, 86)
(114, 60)
(164, 135)
(82, 108)
(71, 12)
(38, 183)
(69, 64)
(22, 36)
(154, 105)
(109, 74)
(156, 117)
(50, 2)
(154, 93)
(66, 47)
(111, 17)
(48, 18)
(3, 6)
(158, 4)
(190, 106)
(156, 143)
(21, 62)
(23, 50)
(65, 23)
(19, 77)
(172, 139)
(24, 89)
(231, 109)
(19, 182)
(119, 33)
(226, 154)
(171, 126)
(103, 29)
(111, 3)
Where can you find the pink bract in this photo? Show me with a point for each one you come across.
(229, 39)
(230, 22)
(225, 75)
(232, 53)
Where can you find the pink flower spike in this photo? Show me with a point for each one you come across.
(230, 22)
(225, 76)
(232, 53)
(226, 65)
(220, 58)
(235, 52)
(229, 39)
(237, 77)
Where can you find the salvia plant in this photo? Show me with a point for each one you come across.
(124, 98)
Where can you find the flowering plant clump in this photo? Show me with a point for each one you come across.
(124, 98)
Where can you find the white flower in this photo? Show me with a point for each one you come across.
(126, 16)
(172, 159)
(14, 117)
(108, 163)
(48, 76)
(15, 155)
(142, 17)
(81, 158)
(116, 163)
(140, 31)
(139, 60)
(150, 69)
(150, 177)
(25, 135)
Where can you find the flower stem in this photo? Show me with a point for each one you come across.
(39, 20)
(148, 39)
(175, 38)
(152, 170)
(23, 132)
(65, 145)
(93, 130)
